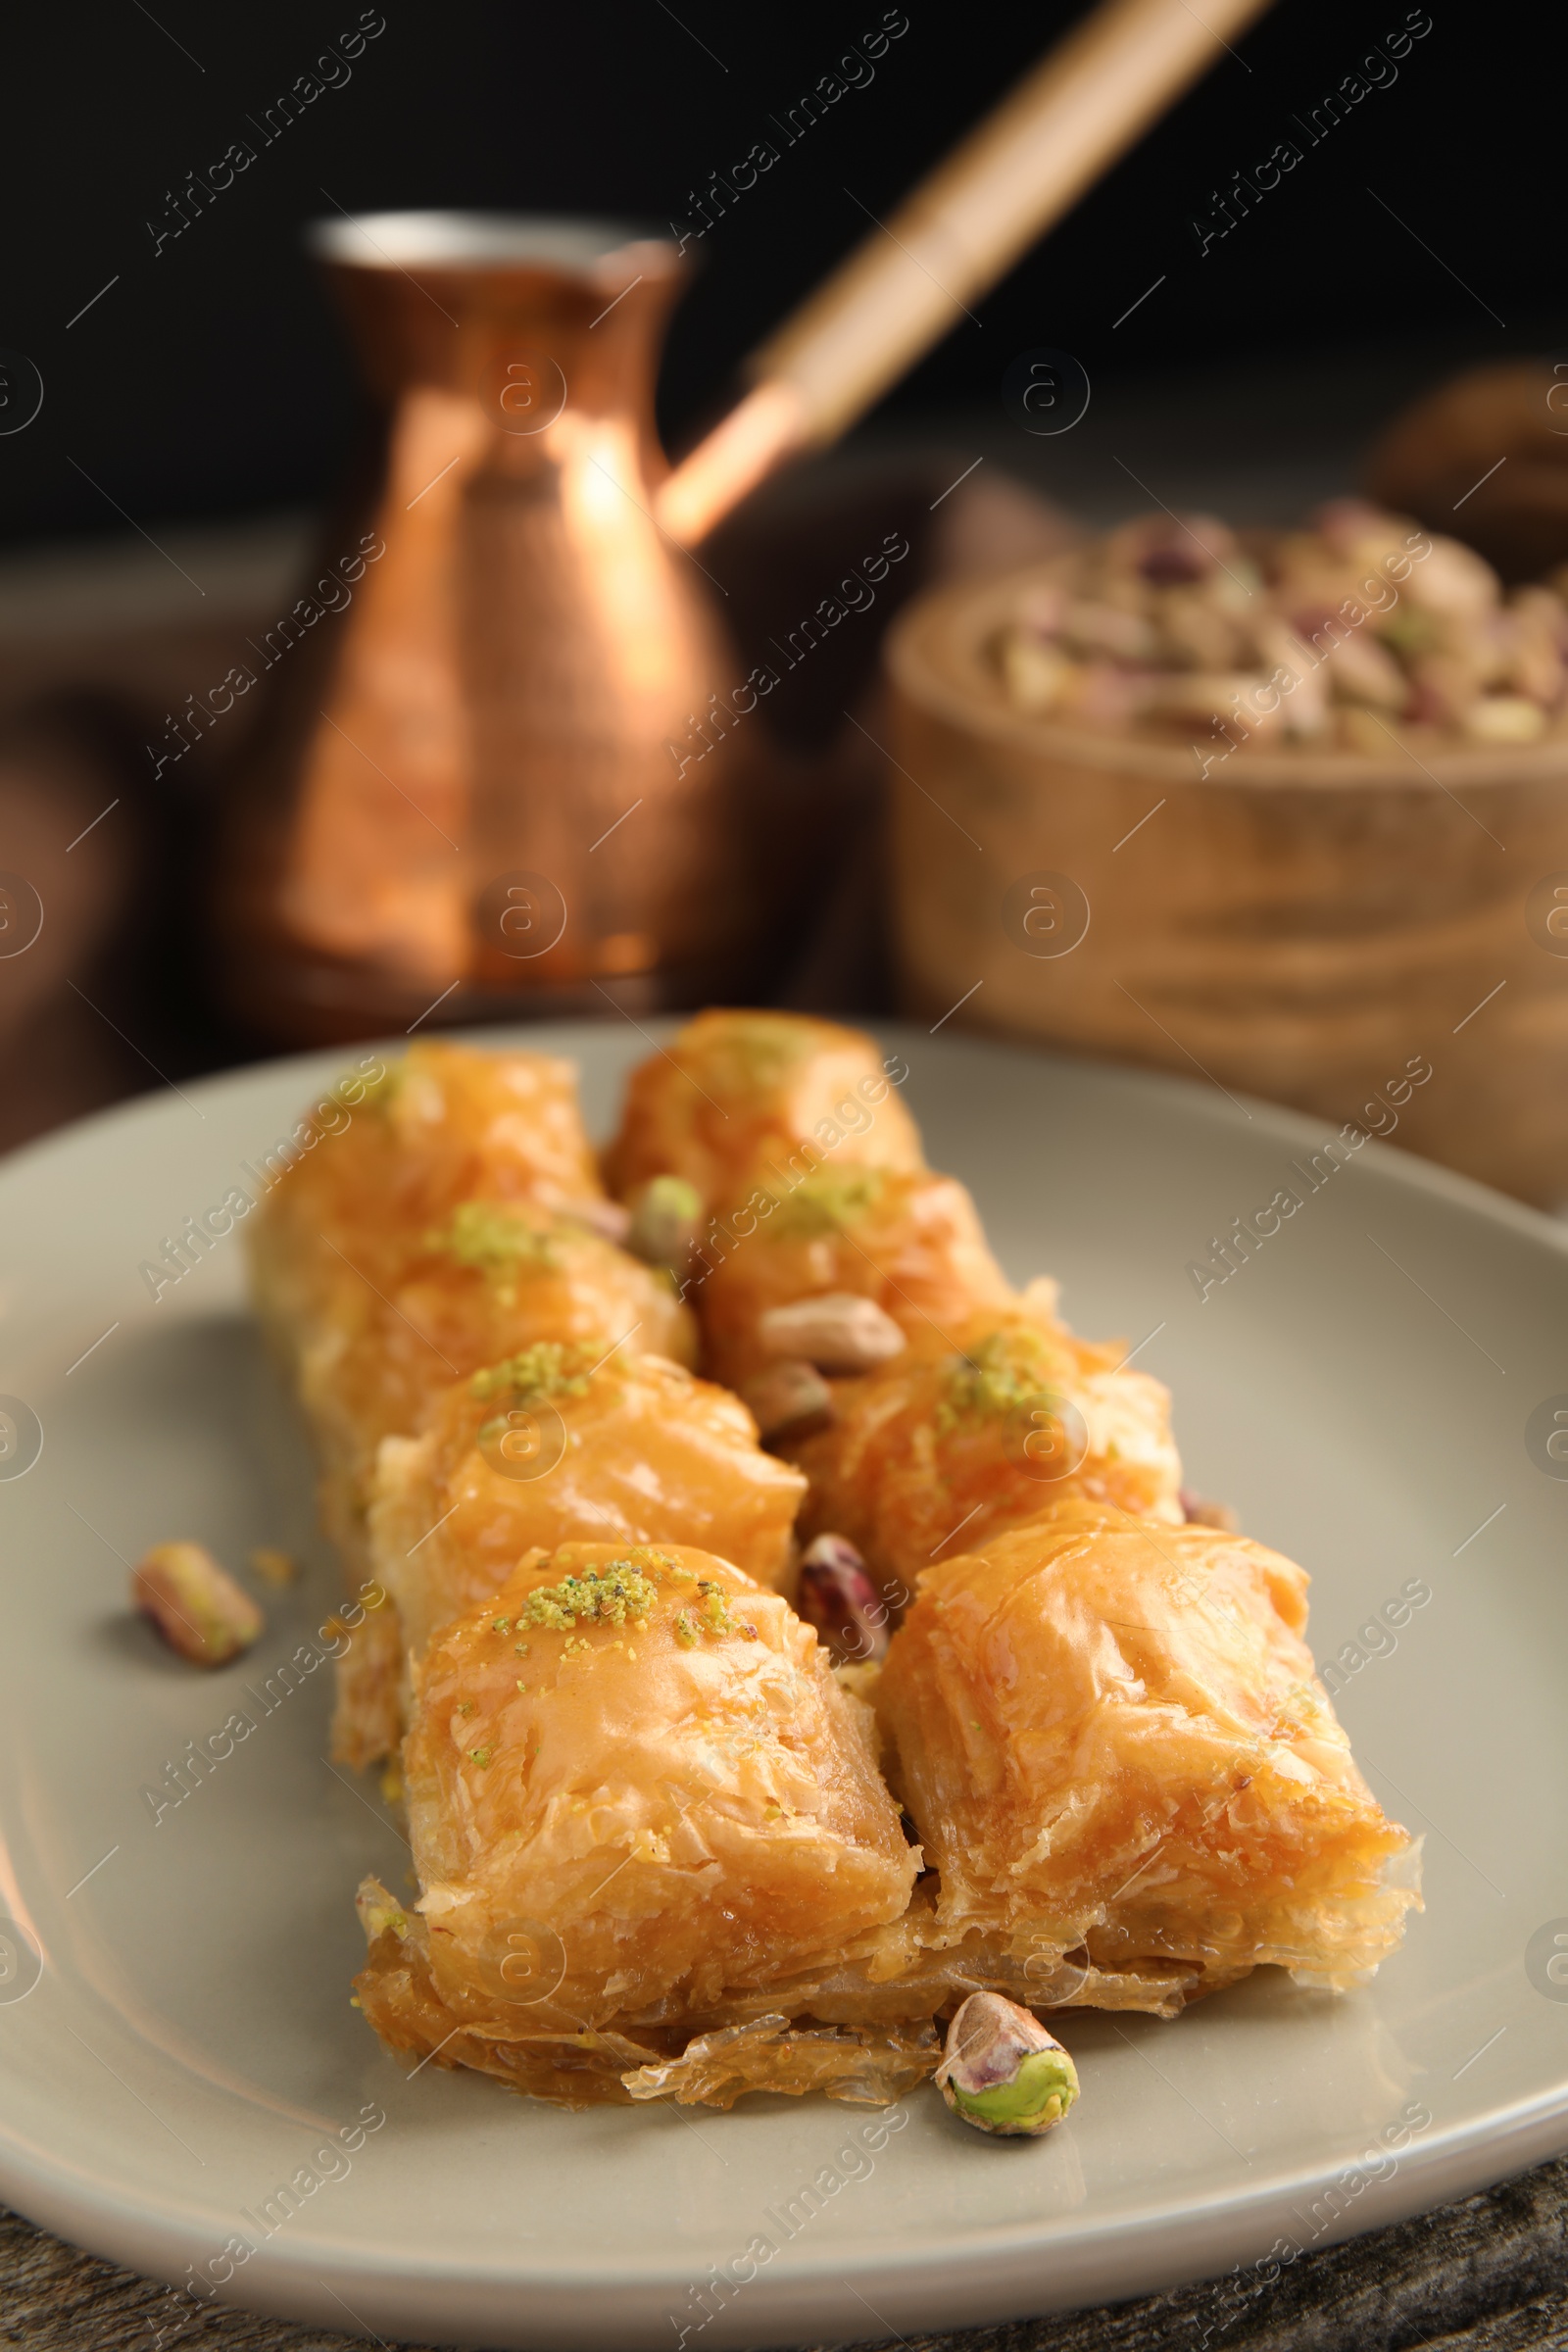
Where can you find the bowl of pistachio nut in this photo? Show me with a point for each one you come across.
(1286, 811)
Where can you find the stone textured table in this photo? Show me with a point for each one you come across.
(1489, 2275)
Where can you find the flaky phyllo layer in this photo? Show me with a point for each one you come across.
(980, 1426)
(659, 1858)
(445, 1223)
(553, 1444)
(640, 1805)
(657, 1836)
(1114, 1742)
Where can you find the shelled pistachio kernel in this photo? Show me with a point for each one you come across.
(196, 1605)
(789, 1400)
(1002, 2071)
(665, 1215)
(837, 1596)
(840, 1332)
(608, 1218)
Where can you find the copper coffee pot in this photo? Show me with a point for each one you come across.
(485, 782)
(505, 765)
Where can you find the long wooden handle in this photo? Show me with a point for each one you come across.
(964, 226)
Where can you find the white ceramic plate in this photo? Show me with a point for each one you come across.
(1361, 1391)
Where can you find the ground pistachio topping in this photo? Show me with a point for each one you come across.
(549, 1368)
(1009, 1369)
(614, 1594)
(758, 1050)
(828, 1201)
(382, 1091)
(489, 1238)
(709, 1615)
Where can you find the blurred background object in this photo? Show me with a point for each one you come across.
(1249, 296)
(74, 872)
(461, 800)
(531, 667)
(1490, 446)
(1314, 925)
(959, 229)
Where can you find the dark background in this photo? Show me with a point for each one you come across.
(211, 382)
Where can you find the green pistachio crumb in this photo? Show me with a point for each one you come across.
(829, 1201)
(757, 1051)
(1008, 1370)
(481, 1755)
(716, 1608)
(495, 1239)
(608, 1595)
(547, 1369)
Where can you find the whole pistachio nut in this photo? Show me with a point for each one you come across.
(1002, 2072)
(1198, 1512)
(667, 1215)
(837, 1596)
(839, 1331)
(196, 1605)
(608, 1218)
(790, 1399)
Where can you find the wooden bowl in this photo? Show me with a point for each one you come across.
(1315, 928)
